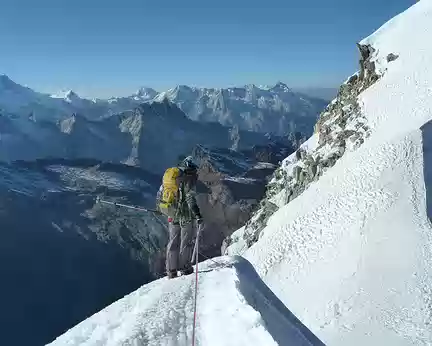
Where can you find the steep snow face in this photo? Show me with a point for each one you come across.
(352, 255)
(234, 308)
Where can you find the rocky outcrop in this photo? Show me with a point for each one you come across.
(392, 57)
(340, 128)
(231, 185)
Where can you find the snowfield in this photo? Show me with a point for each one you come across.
(352, 255)
(234, 308)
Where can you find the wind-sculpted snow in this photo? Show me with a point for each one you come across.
(234, 308)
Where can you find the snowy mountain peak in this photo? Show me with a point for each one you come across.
(145, 93)
(249, 107)
(4, 77)
(281, 87)
(67, 95)
(251, 86)
(178, 93)
(9, 84)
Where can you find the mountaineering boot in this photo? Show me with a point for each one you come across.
(187, 271)
(172, 274)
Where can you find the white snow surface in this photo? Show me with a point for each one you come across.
(352, 255)
(234, 308)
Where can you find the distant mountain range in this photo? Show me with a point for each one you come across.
(151, 136)
(276, 109)
(148, 129)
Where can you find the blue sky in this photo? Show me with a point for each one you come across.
(103, 48)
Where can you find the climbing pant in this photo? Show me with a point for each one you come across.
(180, 246)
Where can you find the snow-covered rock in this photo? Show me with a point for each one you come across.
(231, 185)
(68, 95)
(144, 94)
(234, 307)
(351, 255)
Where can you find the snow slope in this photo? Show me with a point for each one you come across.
(234, 308)
(352, 255)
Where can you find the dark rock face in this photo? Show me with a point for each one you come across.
(392, 57)
(232, 184)
(63, 257)
(367, 67)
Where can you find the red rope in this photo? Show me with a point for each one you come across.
(196, 286)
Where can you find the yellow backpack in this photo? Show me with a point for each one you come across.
(170, 191)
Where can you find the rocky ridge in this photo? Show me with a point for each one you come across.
(340, 128)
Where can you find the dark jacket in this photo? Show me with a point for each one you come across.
(187, 209)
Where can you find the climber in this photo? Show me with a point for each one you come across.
(176, 199)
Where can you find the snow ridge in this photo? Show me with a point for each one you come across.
(232, 298)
